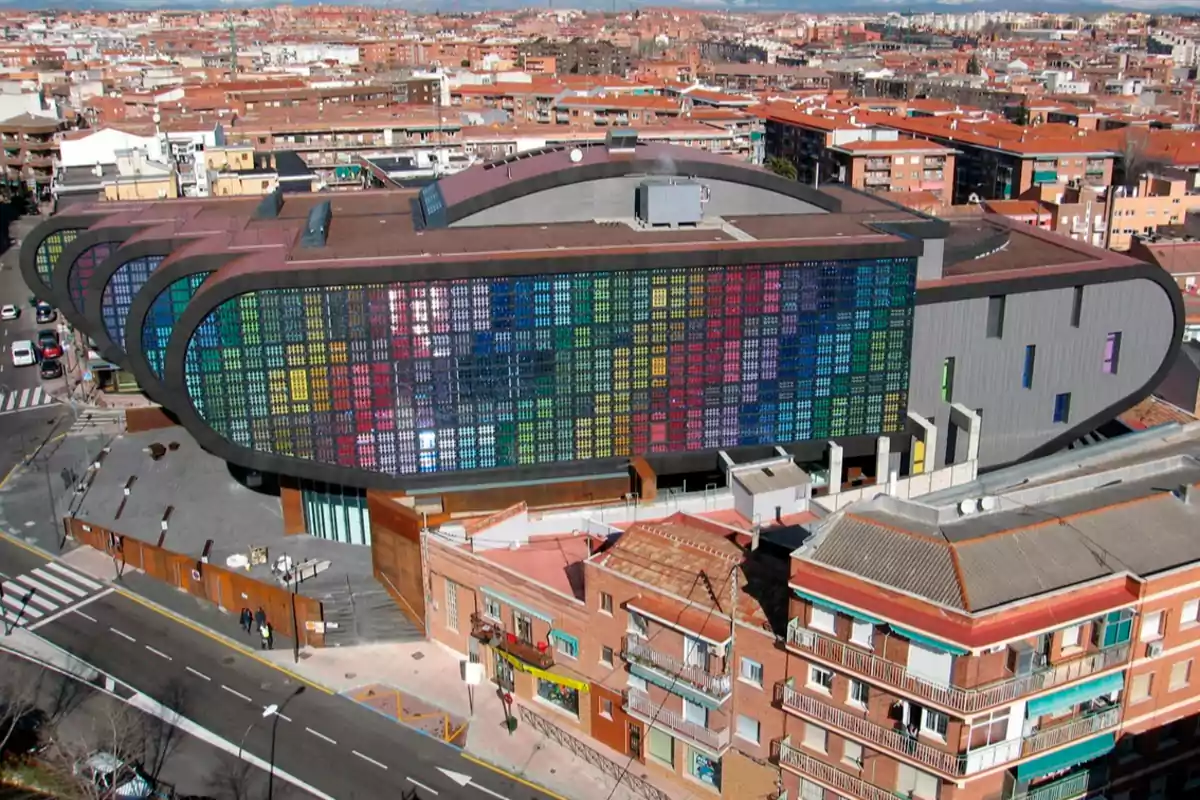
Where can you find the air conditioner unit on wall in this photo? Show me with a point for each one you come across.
(1154, 649)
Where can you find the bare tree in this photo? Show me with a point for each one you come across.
(1136, 156)
(20, 717)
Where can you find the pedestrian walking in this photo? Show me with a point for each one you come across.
(247, 620)
(260, 618)
(265, 633)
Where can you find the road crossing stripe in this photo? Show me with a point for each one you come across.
(42, 588)
(36, 397)
(73, 575)
(19, 593)
(46, 576)
(16, 603)
(24, 397)
(12, 402)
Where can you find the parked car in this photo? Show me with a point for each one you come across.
(114, 778)
(9, 311)
(23, 354)
(48, 343)
(45, 314)
(52, 368)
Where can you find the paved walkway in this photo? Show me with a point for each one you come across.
(431, 674)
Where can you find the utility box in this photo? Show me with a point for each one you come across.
(669, 203)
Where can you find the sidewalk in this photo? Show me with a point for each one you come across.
(432, 673)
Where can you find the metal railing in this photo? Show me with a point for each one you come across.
(843, 782)
(940, 760)
(717, 686)
(1049, 738)
(967, 701)
(494, 635)
(639, 705)
(1068, 788)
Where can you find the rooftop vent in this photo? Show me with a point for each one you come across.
(316, 229)
(270, 205)
(669, 203)
(621, 140)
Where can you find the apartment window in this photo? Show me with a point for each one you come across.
(852, 753)
(1112, 352)
(747, 728)
(820, 679)
(751, 671)
(1076, 306)
(606, 708)
(913, 783)
(859, 694)
(1151, 627)
(695, 713)
(662, 747)
(637, 683)
(1070, 637)
(822, 619)
(606, 604)
(988, 730)
(948, 379)
(995, 316)
(452, 605)
(934, 723)
(1181, 675)
(523, 624)
(1062, 407)
(606, 656)
(1027, 372)
(1190, 614)
(491, 609)
(568, 647)
(1140, 687)
(638, 624)
(861, 633)
(815, 737)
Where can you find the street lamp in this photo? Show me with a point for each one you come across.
(273, 710)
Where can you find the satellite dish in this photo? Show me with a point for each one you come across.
(967, 507)
(988, 503)
(576, 155)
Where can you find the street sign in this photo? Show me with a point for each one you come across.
(472, 673)
(315, 626)
(87, 375)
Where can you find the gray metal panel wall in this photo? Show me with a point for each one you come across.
(613, 198)
(988, 372)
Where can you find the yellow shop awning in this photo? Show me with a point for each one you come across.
(553, 674)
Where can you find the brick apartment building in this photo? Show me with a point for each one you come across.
(971, 642)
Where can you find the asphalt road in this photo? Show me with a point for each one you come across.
(336, 746)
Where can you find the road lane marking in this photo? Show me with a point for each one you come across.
(12, 402)
(320, 735)
(75, 576)
(75, 609)
(420, 785)
(158, 653)
(44, 589)
(486, 790)
(198, 674)
(60, 583)
(17, 604)
(236, 693)
(121, 634)
(33, 597)
(368, 758)
(24, 397)
(510, 776)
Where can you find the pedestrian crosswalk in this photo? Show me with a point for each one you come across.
(98, 419)
(21, 399)
(43, 593)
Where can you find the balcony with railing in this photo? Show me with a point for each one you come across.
(950, 764)
(640, 706)
(716, 686)
(964, 701)
(843, 783)
(877, 178)
(1065, 788)
(879, 163)
(494, 635)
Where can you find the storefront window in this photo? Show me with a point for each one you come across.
(704, 769)
(564, 697)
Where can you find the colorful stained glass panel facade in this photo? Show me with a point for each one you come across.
(49, 251)
(119, 293)
(80, 274)
(164, 312)
(481, 373)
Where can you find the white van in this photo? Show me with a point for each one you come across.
(23, 353)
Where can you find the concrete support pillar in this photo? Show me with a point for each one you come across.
(883, 449)
(835, 468)
(925, 439)
(969, 422)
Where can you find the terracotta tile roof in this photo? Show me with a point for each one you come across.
(1152, 412)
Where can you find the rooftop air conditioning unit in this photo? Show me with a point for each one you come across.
(669, 202)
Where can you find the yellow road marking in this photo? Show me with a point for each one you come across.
(21, 463)
(513, 777)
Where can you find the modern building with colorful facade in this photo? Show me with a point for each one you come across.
(561, 312)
